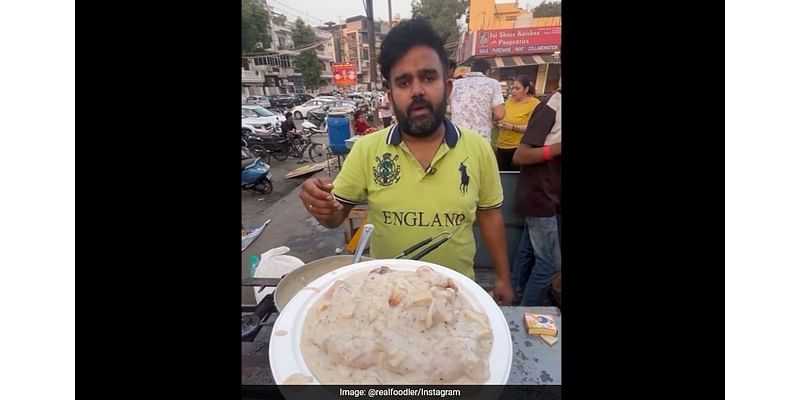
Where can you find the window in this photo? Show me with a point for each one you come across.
(365, 54)
(511, 18)
(262, 112)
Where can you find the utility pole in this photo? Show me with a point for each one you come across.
(373, 62)
(390, 14)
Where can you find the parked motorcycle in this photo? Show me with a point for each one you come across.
(316, 120)
(246, 150)
(256, 176)
(275, 145)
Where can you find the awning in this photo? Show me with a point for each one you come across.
(518, 61)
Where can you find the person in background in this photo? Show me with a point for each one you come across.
(538, 197)
(360, 124)
(519, 108)
(287, 126)
(477, 100)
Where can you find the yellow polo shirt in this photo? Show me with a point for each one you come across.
(408, 203)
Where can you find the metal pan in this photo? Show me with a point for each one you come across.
(296, 280)
(299, 278)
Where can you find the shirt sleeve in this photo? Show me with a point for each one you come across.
(539, 126)
(350, 186)
(491, 189)
(497, 96)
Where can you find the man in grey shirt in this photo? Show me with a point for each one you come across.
(477, 100)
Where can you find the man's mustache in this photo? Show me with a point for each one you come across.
(419, 103)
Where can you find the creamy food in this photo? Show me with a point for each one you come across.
(298, 379)
(396, 327)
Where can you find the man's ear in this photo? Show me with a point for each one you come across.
(448, 88)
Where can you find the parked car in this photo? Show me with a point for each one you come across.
(261, 130)
(262, 101)
(261, 118)
(333, 95)
(358, 98)
(302, 98)
(344, 106)
(282, 100)
(362, 102)
(300, 111)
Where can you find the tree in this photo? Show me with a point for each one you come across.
(443, 15)
(547, 9)
(306, 62)
(255, 26)
(279, 20)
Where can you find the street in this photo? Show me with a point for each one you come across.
(254, 205)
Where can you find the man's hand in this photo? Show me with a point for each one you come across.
(317, 198)
(502, 291)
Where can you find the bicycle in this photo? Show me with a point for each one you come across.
(299, 144)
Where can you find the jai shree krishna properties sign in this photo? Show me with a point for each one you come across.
(518, 41)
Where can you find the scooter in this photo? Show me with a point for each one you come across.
(256, 175)
(318, 118)
(310, 127)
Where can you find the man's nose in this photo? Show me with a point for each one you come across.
(417, 89)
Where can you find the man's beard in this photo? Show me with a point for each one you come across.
(423, 125)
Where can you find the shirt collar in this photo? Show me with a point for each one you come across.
(451, 134)
(474, 73)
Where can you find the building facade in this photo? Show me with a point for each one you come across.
(486, 14)
(354, 47)
(514, 43)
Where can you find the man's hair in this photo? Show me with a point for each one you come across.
(288, 115)
(405, 35)
(453, 64)
(480, 65)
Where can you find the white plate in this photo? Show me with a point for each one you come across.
(285, 358)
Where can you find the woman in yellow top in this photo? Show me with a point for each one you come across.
(519, 108)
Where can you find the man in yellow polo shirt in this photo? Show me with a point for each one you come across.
(424, 175)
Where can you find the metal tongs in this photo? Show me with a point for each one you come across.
(447, 235)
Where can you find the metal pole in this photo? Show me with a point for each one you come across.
(390, 14)
(373, 74)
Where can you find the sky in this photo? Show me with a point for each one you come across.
(317, 12)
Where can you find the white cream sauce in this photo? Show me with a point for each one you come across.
(298, 379)
(396, 327)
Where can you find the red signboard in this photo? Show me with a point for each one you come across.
(344, 74)
(518, 41)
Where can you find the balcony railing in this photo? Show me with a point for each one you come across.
(251, 77)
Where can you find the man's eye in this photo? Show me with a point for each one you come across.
(402, 84)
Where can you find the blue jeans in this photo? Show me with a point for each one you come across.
(523, 263)
(543, 234)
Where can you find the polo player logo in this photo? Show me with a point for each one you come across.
(386, 171)
(464, 177)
